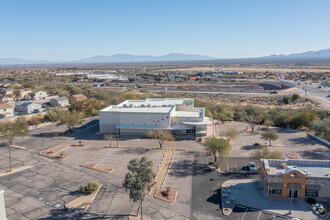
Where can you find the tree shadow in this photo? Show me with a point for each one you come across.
(250, 147)
(182, 168)
(139, 151)
(319, 153)
(48, 134)
(64, 214)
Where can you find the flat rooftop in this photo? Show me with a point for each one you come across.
(312, 168)
(164, 105)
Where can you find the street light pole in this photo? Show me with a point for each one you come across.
(292, 176)
(10, 166)
(117, 129)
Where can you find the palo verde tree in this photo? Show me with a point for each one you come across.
(10, 130)
(139, 179)
(252, 115)
(70, 119)
(161, 136)
(270, 135)
(230, 133)
(217, 147)
(224, 113)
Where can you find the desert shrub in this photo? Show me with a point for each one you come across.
(34, 121)
(322, 128)
(302, 119)
(88, 188)
(264, 153)
(286, 99)
(295, 97)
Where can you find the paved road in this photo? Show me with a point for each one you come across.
(320, 94)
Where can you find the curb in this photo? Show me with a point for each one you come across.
(16, 170)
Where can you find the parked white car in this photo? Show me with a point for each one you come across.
(252, 166)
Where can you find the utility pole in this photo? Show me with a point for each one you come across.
(117, 130)
(291, 194)
(10, 165)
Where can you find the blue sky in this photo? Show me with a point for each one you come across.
(74, 29)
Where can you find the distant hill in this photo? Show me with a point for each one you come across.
(309, 55)
(320, 55)
(127, 58)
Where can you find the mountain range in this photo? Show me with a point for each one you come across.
(323, 55)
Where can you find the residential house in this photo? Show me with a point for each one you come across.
(25, 108)
(25, 93)
(6, 110)
(60, 102)
(7, 91)
(77, 98)
(6, 98)
(39, 95)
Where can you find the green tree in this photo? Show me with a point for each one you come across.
(224, 113)
(217, 147)
(139, 179)
(161, 136)
(10, 130)
(70, 119)
(270, 136)
(268, 123)
(253, 116)
(303, 119)
(253, 120)
(295, 97)
(322, 128)
(286, 99)
(87, 107)
(230, 133)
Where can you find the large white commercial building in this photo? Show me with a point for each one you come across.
(138, 117)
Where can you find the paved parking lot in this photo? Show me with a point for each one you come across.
(245, 213)
(42, 191)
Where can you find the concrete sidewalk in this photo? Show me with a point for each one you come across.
(250, 193)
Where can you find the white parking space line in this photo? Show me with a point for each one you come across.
(244, 213)
(259, 215)
(104, 158)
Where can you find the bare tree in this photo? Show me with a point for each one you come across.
(161, 136)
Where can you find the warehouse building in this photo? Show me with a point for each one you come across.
(297, 178)
(138, 117)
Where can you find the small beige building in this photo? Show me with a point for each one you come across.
(77, 98)
(39, 95)
(6, 110)
(60, 102)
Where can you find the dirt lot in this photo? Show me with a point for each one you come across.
(289, 141)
